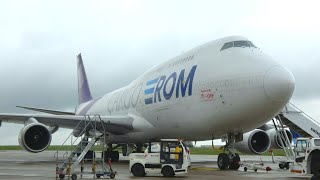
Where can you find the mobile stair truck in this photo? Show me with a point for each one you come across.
(168, 157)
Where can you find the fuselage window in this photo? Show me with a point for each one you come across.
(227, 45)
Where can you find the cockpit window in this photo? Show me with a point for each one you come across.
(241, 44)
(252, 45)
(227, 45)
(237, 44)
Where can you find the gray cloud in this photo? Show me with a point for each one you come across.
(120, 40)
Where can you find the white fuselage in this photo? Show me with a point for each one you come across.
(203, 93)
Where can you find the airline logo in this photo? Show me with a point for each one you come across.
(173, 85)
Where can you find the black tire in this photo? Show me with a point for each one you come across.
(255, 170)
(235, 162)
(74, 177)
(138, 170)
(112, 175)
(114, 156)
(315, 168)
(98, 176)
(61, 176)
(286, 165)
(281, 165)
(245, 169)
(90, 155)
(167, 171)
(314, 177)
(223, 161)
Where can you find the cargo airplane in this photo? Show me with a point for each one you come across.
(226, 88)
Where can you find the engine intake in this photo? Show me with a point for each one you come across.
(276, 139)
(35, 137)
(254, 142)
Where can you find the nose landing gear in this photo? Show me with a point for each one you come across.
(228, 159)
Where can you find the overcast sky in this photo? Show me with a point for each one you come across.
(119, 40)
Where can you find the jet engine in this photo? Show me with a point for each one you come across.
(254, 142)
(35, 137)
(276, 139)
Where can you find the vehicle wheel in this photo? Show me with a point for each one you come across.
(61, 176)
(255, 170)
(74, 177)
(223, 161)
(286, 165)
(245, 169)
(235, 162)
(167, 171)
(112, 175)
(315, 168)
(138, 170)
(98, 176)
(314, 177)
(281, 165)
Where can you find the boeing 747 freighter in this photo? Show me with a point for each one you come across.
(226, 88)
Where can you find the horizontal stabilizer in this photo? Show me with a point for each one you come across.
(49, 111)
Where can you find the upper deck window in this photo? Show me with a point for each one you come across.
(237, 44)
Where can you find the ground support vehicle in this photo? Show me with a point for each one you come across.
(167, 156)
(307, 157)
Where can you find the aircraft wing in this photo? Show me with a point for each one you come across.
(112, 124)
(49, 111)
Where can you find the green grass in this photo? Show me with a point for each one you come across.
(194, 150)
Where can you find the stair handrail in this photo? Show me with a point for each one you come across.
(83, 131)
(304, 113)
(70, 135)
(56, 153)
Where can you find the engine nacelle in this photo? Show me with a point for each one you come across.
(254, 142)
(77, 132)
(35, 137)
(276, 139)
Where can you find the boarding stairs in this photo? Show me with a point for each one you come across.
(284, 142)
(80, 146)
(300, 122)
(294, 118)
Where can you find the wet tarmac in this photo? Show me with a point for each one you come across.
(29, 166)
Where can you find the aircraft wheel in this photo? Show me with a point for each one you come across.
(235, 162)
(167, 171)
(138, 170)
(223, 161)
(114, 156)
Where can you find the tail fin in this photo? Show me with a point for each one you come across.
(83, 86)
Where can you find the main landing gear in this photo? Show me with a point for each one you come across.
(228, 159)
(111, 154)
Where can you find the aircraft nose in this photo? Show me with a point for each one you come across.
(279, 84)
